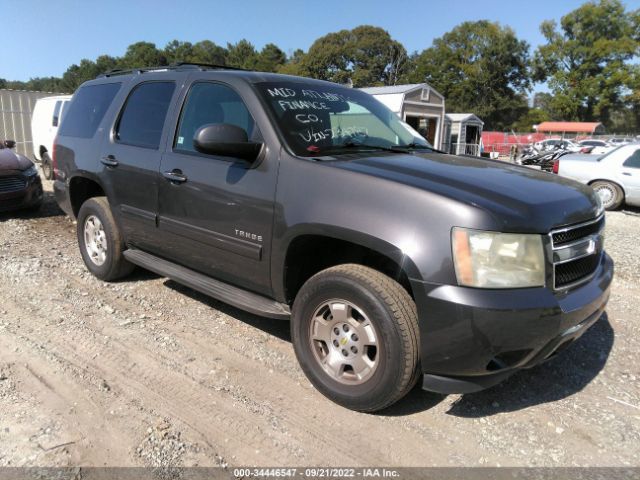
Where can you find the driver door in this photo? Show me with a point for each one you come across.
(215, 212)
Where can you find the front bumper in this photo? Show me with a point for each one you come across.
(29, 196)
(472, 339)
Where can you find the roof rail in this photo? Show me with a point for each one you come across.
(204, 66)
(173, 66)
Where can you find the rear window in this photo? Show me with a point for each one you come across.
(87, 110)
(56, 113)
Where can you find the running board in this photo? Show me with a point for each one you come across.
(242, 299)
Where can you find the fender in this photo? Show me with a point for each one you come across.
(378, 245)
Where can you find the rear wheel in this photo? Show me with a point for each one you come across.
(47, 166)
(100, 241)
(610, 194)
(355, 333)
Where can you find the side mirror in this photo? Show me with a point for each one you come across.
(10, 143)
(226, 140)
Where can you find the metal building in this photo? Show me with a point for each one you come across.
(463, 134)
(418, 104)
(16, 107)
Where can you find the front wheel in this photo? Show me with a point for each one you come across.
(47, 166)
(610, 194)
(100, 241)
(355, 334)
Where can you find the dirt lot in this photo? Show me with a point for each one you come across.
(146, 372)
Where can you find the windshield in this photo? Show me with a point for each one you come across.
(325, 119)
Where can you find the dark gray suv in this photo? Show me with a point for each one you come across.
(305, 200)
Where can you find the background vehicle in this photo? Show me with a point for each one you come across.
(599, 147)
(305, 200)
(557, 143)
(20, 185)
(614, 176)
(46, 118)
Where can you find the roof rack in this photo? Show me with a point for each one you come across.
(173, 66)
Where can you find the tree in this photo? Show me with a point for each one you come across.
(533, 117)
(588, 62)
(176, 51)
(242, 55)
(208, 52)
(143, 54)
(293, 65)
(480, 67)
(271, 58)
(366, 55)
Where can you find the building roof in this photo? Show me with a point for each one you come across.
(392, 89)
(399, 89)
(573, 127)
(463, 117)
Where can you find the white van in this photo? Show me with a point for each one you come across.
(46, 117)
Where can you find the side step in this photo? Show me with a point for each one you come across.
(244, 300)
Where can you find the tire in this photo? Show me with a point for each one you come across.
(103, 257)
(47, 166)
(611, 194)
(379, 364)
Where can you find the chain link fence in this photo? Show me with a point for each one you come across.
(16, 108)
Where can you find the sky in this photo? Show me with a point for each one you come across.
(44, 37)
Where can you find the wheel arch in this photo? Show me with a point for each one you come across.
(608, 180)
(320, 247)
(81, 188)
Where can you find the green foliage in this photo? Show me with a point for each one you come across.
(588, 62)
(242, 55)
(479, 67)
(533, 117)
(365, 55)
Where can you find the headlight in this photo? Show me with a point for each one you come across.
(497, 260)
(31, 171)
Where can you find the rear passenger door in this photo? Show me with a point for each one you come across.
(218, 218)
(131, 158)
(631, 177)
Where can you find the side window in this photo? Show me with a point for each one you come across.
(211, 103)
(87, 108)
(634, 160)
(144, 113)
(56, 113)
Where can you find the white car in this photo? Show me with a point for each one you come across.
(615, 176)
(47, 115)
(600, 147)
(552, 143)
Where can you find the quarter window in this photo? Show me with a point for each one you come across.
(87, 109)
(209, 103)
(634, 160)
(144, 113)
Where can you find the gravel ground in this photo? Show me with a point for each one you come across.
(145, 372)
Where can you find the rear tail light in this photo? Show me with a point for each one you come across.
(54, 158)
(556, 166)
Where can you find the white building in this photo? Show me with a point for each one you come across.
(419, 105)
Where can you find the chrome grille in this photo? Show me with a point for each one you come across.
(12, 184)
(576, 253)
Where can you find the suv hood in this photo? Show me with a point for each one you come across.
(520, 199)
(9, 160)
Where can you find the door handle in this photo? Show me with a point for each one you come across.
(626, 173)
(109, 161)
(175, 176)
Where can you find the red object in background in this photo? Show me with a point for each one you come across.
(556, 166)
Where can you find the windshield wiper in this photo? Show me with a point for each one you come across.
(363, 146)
(419, 146)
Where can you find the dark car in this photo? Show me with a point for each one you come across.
(305, 200)
(20, 184)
